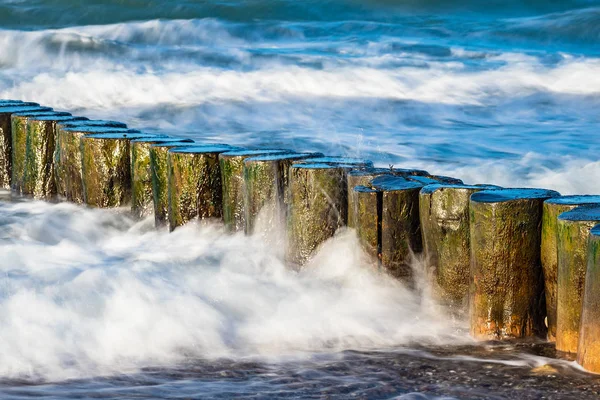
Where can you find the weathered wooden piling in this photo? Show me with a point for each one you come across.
(444, 216)
(194, 179)
(588, 352)
(69, 168)
(506, 295)
(6, 110)
(232, 181)
(39, 175)
(400, 229)
(552, 209)
(266, 190)
(318, 204)
(106, 168)
(59, 169)
(361, 177)
(367, 216)
(19, 127)
(573, 230)
(142, 202)
(160, 179)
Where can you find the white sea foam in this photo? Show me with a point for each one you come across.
(89, 292)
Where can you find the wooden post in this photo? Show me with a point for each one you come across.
(400, 229)
(106, 168)
(360, 177)
(19, 127)
(194, 183)
(142, 203)
(506, 296)
(160, 175)
(444, 216)
(368, 219)
(266, 192)
(59, 169)
(69, 169)
(588, 353)
(39, 175)
(573, 230)
(318, 205)
(6, 111)
(552, 209)
(232, 180)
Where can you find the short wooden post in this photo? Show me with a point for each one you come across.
(400, 228)
(232, 180)
(160, 179)
(39, 175)
(573, 230)
(360, 177)
(69, 169)
(506, 296)
(106, 168)
(318, 205)
(266, 192)
(588, 352)
(194, 183)
(444, 216)
(368, 219)
(19, 127)
(552, 209)
(142, 203)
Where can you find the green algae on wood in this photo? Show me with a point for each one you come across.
(400, 228)
(552, 209)
(106, 168)
(232, 180)
(506, 291)
(588, 350)
(69, 166)
(444, 216)
(266, 191)
(6, 111)
(362, 177)
(573, 229)
(39, 177)
(318, 206)
(194, 180)
(142, 202)
(159, 174)
(19, 127)
(368, 219)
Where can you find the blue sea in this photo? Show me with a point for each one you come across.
(96, 305)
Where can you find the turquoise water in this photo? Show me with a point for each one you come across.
(96, 305)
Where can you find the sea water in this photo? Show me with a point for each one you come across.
(96, 305)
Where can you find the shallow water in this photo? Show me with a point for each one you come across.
(94, 304)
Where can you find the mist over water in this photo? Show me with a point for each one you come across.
(495, 92)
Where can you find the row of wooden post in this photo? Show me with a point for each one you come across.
(518, 262)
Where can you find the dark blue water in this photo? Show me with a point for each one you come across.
(94, 305)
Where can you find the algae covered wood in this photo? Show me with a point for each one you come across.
(318, 206)
(8, 108)
(106, 168)
(142, 202)
(266, 194)
(361, 177)
(573, 229)
(59, 169)
(444, 216)
(194, 180)
(400, 228)
(506, 294)
(69, 168)
(552, 209)
(588, 350)
(368, 219)
(232, 180)
(39, 176)
(160, 174)
(19, 126)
